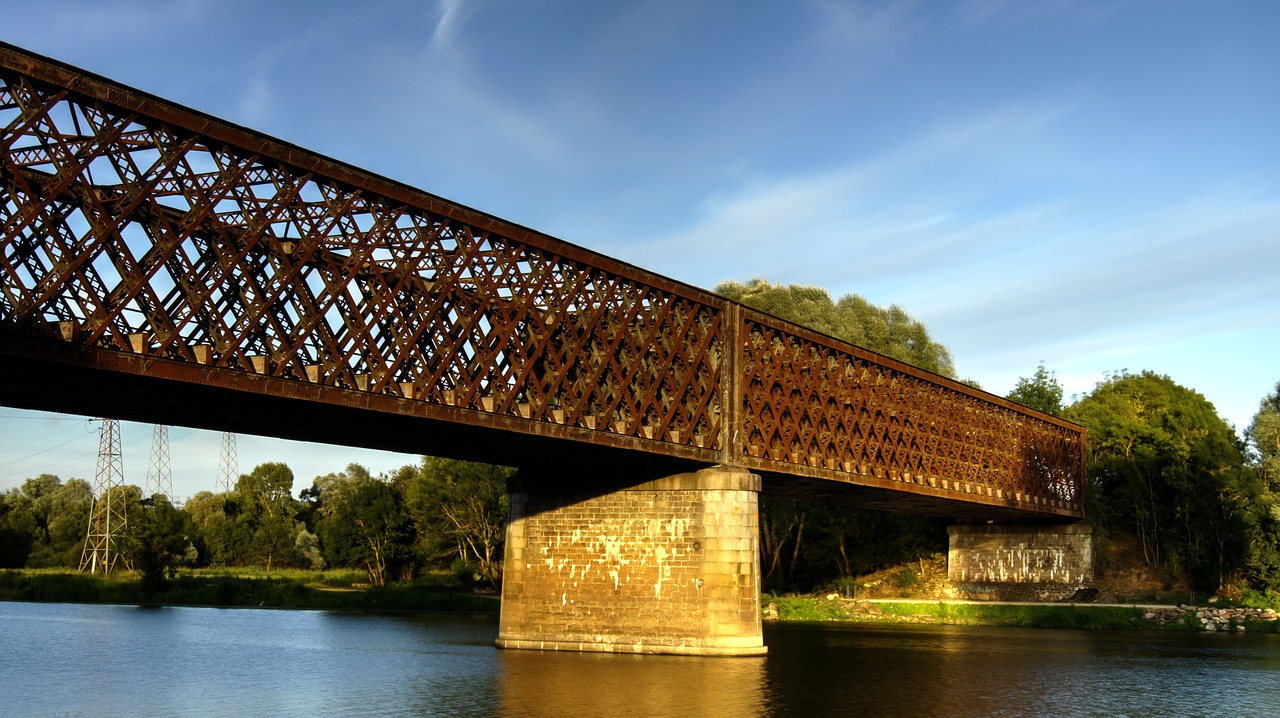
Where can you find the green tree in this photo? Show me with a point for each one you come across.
(267, 490)
(1263, 435)
(17, 529)
(307, 552)
(267, 512)
(460, 510)
(212, 528)
(1041, 391)
(1164, 466)
(156, 541)
(43, 522)
(891, 332)
(365, 524)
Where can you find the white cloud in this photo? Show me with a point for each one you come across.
(452, 15)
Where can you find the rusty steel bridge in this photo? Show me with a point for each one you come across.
(158, 264)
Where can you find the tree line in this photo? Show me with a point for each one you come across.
(437, 514)
(1166, 474)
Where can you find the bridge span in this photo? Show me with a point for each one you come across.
(159, 264)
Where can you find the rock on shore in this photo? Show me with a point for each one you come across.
(1213, 619)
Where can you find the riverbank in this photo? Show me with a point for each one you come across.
(833, 607)
(327, 590)
(344, 591)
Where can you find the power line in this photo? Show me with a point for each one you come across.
(51, 448)
(37, 439)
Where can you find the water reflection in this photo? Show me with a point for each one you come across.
(537, 683)
(925, 671)
(122, 661)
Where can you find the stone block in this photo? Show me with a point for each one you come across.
(667, 566)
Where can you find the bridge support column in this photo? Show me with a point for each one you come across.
(666, 566)
(1034, 562)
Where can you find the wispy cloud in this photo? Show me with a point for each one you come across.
(1202, 264)
(983, 12)
(870, 216)
(451, 17)
(868, 25)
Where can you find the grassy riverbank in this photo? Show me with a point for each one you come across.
(333, 590)
(1029, 615)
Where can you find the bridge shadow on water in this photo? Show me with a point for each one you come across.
(535, 683)
(909, 672)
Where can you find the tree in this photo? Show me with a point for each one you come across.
(268, 490)
(891, 332)
(1164, 466)
(156, 540)
(1263, 435)
(267, 511)
(212, 528)
(17, 529)
(42, 523)
(1042, 392)
(460, 510)
(366, 525)
(781, 539)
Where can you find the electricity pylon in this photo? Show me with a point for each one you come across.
(228, 468)
(159, 475)
(107, 519)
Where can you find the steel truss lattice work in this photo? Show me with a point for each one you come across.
(153, 242)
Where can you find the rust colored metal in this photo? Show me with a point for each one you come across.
(150, 245)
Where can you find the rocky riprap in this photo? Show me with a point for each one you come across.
(1211, 618)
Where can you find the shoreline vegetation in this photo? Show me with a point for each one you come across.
(237, 588)
(1111, 616)
(441, 592)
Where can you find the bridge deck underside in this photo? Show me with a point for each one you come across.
(31, 379)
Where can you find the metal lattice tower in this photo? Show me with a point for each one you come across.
(159, 475)
(228, 465)
(107, 519)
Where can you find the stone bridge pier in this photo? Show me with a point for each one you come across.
(669, 565)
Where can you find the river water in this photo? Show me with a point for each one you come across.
(89, 660)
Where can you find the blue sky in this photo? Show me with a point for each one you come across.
(1091, 184)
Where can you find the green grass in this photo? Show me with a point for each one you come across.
(336, 590)
(1049, 615)
(1035, 616)
(807, 609)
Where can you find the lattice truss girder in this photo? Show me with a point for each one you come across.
(139, 236)
(122, 231)
(820, 406)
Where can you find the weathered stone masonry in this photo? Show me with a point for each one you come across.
(1020, 562)
(667, 566)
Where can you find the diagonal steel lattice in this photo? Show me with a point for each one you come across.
(135, 227)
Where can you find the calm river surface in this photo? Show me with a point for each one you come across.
(81, 660)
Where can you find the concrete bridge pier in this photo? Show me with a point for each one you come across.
(669, 565)
(1020, 562)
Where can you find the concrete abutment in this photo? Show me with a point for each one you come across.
(1020, 562)
(665, 566)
